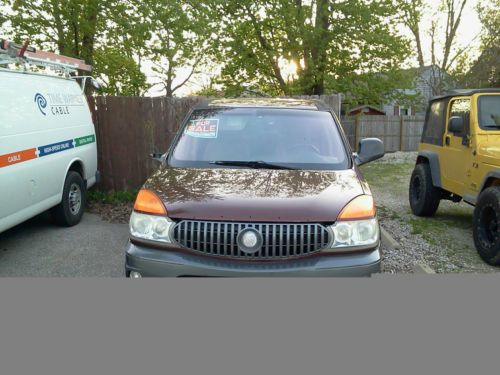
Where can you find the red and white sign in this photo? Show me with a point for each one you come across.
(206, 128)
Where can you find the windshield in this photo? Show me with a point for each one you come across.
(489, 112)
(300, 139)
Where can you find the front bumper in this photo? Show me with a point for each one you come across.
(164, 263)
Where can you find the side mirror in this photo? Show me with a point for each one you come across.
(369, 149)
(156, 156)
(456, 125)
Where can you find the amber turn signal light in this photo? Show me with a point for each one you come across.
(361, 207)
(148, 202)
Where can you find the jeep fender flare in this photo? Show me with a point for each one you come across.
(433, 160)
(491, 175)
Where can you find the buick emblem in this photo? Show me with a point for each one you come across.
(249, 241)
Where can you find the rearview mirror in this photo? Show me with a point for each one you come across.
(369, 149)
(456, 125)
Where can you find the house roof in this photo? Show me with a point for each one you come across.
(366, 106)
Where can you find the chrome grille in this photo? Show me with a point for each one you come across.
(279, 240)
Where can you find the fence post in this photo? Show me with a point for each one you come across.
(356, 131)
(401, 128)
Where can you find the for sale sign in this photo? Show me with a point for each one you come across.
(206, 128)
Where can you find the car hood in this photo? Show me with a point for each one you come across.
(255, 194)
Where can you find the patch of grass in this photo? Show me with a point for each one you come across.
(387, 179)
(113, 197)
(431, 230)
(385, 174)
(384, 212)
(450, 231)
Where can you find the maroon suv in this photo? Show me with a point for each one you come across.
(257, 187)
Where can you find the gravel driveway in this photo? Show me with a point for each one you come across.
(443, 242)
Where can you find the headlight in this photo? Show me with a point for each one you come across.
(150, 227)
(354, 234)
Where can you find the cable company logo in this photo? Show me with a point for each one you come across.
(41, 102)
(60, 103)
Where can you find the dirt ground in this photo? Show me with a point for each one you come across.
(444, 242)
(118, 213)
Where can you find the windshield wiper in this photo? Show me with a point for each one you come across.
(258, 164)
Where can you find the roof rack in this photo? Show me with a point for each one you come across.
(12, 53)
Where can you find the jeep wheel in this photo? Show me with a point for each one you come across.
(70, 211)
(486, 226)
(424, 196)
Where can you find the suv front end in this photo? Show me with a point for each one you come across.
(256, 192)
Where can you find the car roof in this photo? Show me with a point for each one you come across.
(465, 92)
(283, 103)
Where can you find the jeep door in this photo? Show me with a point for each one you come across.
(456, 157)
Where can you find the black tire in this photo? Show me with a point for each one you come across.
(424, 196)
(486, 226)
(70, 211)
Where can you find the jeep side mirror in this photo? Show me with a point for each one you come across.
(456, 125)
(369, 149)
(156, 156)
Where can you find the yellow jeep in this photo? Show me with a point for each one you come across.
(459, 158)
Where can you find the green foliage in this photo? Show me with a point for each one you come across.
(485, 71)
(376, 88)
(181, 35)
(120, 74)
(3, 20)
(85, 29)
(112, 197)
(331, 43)
(349, 46)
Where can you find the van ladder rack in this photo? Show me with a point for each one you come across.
(12, 53)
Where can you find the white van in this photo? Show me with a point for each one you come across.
(48, 154)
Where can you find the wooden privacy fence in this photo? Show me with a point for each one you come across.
(129, 129)
(399, 133)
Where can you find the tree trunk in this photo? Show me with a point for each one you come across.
(88, 39)
(420, 53)
(318, 52)
(269, 52)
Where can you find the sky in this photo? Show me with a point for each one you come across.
(468, 32)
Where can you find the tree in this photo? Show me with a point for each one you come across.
(70, 25)
(3, 20)
(78, 28)
(378, 88)
(327, 41)
(412, 17)
(485, 71)
(119, 73)
(182, 32)
(440, 60)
